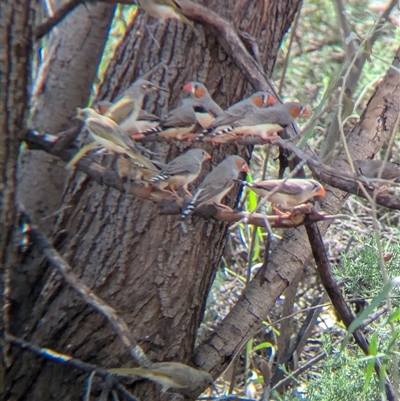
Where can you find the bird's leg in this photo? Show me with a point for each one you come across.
(78, 156)
(280, 213)
(187, 191)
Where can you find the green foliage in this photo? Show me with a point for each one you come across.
(360, 268)
(342, 379)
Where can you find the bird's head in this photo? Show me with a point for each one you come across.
(196, 89)
(145, 86)
(296, 109)
(83, 114)
(240, 163)
(318, 189)
(199, 154)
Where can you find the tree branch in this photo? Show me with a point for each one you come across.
(67, 360)
(47, 249)
(45, 27)
(168, 203)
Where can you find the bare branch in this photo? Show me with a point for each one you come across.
(47, 249)
(67, 360)
(45, 27)
(170, 204)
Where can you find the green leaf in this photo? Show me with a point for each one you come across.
(263, 345)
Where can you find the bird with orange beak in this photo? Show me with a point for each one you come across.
(205, 109)
(181, 171)
(264, 123)
(288, 194)
(217, 184)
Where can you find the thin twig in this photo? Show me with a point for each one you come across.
(286, 61)
(343, 310)
(89, 385)
(66, 360)
(45, 27)
(47, 249)
(312, 362)
(169, 204)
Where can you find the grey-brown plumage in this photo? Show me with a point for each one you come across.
(181, 171)
(371, 169)
(264, 122)
(164, 10)
(217, 184)
(289, 193)
(170, 375)
(126, 108)
(206, 109)
(240, 109)
(178, 123)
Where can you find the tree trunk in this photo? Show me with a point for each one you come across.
(136, 260)
(74, 49)
(16, 24)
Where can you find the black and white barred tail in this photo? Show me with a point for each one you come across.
(223, 131)
(188, 210)
(153, 130)
(160, 177)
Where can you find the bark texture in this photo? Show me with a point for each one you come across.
(63, 82)
(136, 260)
(16, 46)
(289, 255)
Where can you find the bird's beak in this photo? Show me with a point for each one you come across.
(245, 169)
(321, 192)
(188, 87)
(78, 115)
(160, 88)
(208, 157)
(271, 99)
(306, 112)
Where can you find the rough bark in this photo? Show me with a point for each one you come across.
(156, 277)
(64, 81)
(288, 257)
(16, 46)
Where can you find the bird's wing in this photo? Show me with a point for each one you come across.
(289, 187)
(121, 109)
(146, 116)
(184, 165)
(180, 117)
(214, 185)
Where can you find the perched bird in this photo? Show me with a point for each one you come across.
(108, 134)
(217, 184)
(132, 169)
(289, 193)
(181, 171)
(371, 169)
(251, 104)
(170, 375)
(178, 123)
(264, 122)
(126, 108)
(164, 10)
(144, 121)
(206, 110)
